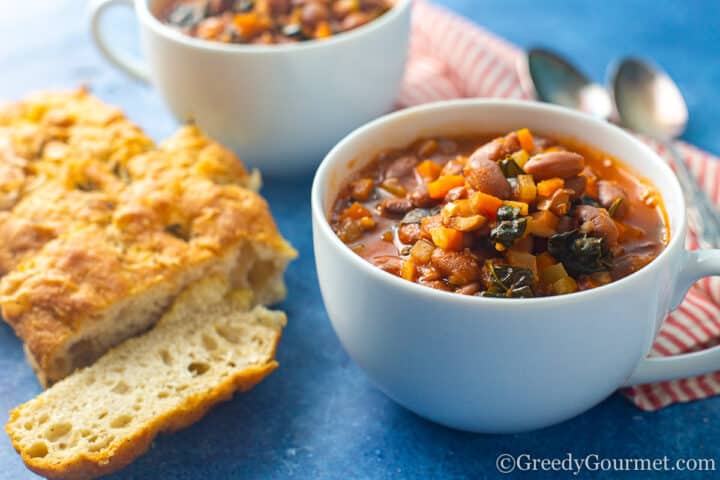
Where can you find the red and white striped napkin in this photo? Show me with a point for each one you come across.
(451, 57)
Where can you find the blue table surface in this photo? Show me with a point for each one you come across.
(318, 416)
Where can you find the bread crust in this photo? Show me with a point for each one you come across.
(92, 465)
(92, 212)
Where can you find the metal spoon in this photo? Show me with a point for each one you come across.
(649, 102)
(555, 80)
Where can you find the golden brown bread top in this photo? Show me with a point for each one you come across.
(91, 212)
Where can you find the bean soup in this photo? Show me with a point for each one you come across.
(516, 215)
(270, 21)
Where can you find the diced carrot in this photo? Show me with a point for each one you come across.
(500, 247)
(485, 204)
(544, 260)
(356, 211)
(554, 148)
(367, 223)
(520, 205)
(249, 24)
(447, 238)
(458, 208)
(440, 187)
(361, 188)
(546, 188)
(526, 140)
(542, 224)
(323, 30)
(408, 270)
(428, 169)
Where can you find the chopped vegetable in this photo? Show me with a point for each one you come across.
(467, 224)
(524, 260)
(546, 188)
(526, 140)
(527, 191)
(428, 169)
(417, 214)
(614, 207)
(509, 282)
(356, 211)
(553, 273)
(588, 200)
(362, 188)
(440, 187)
(511, 227)
(520, 157)
(579, 252)
(521, 206)
(421, 251)
(510, 168)
(564, 285)
(408, 269)
(485, 204)
(393, 185)
(544, 260)
(543, 224)
(323, 30)
(447, 238)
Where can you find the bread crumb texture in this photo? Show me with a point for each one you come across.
(99, 419)
(100, 229)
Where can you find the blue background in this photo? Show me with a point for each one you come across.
(318, 416)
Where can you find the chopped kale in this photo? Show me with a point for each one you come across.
(417, 214)
(588, 200)
(510, 168)
(506, 281)
(614, 207)
(510, 227)
(580, 253)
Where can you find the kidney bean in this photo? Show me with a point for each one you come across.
(577, 185)
(460, 268)
(486, 176)
(597, 222)
(313, 13)
(496, 149)
(401, 166)
(354, 20)
(456, 194)
(278, 7)
(210, 28)
(389, 263)
(395, 206)
(409, 233)
(554, 164)
(420, 197)
(453, 167)
(609, 192)
(565, 224)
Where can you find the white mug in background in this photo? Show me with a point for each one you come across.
(280, 107)
(493, 364)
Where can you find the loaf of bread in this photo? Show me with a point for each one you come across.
(102, 417)
(100, 229)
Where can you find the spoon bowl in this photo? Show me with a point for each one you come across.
(553, 79)
(647, 99)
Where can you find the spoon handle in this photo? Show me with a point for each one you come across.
(702, 216)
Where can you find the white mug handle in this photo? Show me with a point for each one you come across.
(698, 264)
(127, 64)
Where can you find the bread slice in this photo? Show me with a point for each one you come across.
(100, 229)
(102, 417)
